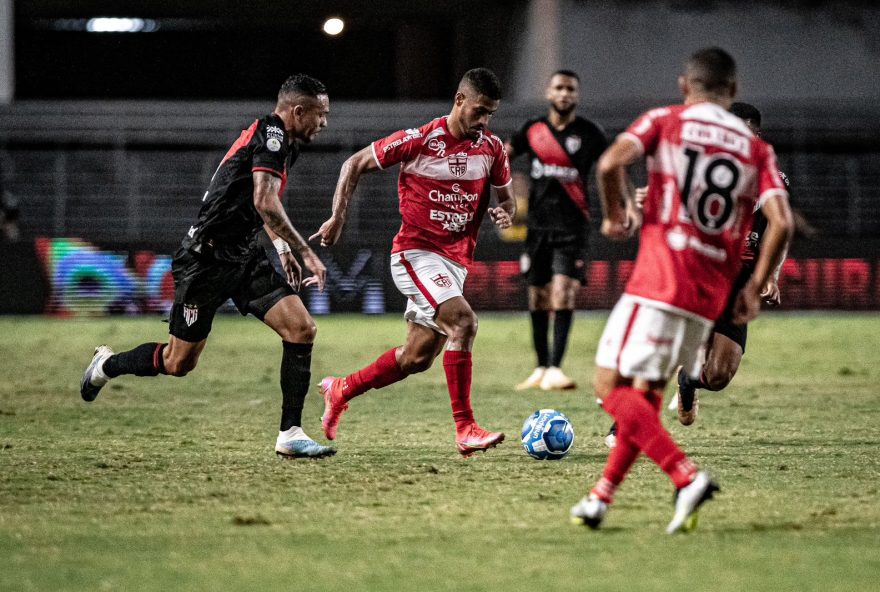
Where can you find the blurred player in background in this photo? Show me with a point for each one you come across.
(447, 167)
(221, 258)
(562, 148)
(706, 173)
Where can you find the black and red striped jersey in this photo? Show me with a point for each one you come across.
(228, 220)
(560, 161)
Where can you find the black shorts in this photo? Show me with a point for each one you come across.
(724, 324)
(549, 253)
(203, 284)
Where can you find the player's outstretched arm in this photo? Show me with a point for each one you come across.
(616, 189)
(780, 227)
(357, 164)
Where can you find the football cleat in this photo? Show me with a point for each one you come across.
(533, 381)
(688, 499)
(555, 379)
(688, 400)
(93, 378)
(334, 405)
(611, 438)
(302, 448)
(589, 511)
(474, 438)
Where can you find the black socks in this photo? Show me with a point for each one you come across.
(296, 377)
(144, 360)
(540, 326)
(561, 327)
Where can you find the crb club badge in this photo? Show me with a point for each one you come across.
(572, 144)
(442, 280)
(458, 164)
(190, 314)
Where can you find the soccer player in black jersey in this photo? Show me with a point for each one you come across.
(221, 258)
(562, 148)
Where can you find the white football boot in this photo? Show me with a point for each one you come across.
(554, 379)
(93, 379)
(589, 511)
(688, 500)
(533, 381)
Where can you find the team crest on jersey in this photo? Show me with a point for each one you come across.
(442, 280)
(190, 314)
(572, 144)
(458, 164)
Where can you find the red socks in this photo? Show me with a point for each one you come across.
(458, 366)
(639, 428)
(382, 372)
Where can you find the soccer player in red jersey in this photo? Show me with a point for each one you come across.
(727, 343)
(706, 173)
(221, 258)
(447, 168)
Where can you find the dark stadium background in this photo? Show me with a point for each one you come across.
(107, 140)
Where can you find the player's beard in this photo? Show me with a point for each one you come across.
(564, 112)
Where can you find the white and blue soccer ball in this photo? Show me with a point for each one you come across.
(547, 435)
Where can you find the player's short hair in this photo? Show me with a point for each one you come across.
(483, 81)
(568, 73)
(302, 84)
(712, 68)
(746, 111)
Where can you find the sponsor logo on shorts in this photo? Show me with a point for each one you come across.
(190, 314)
(442, 280)
(572, 144)
(458, 164)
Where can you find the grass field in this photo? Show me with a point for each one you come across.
(171, 484)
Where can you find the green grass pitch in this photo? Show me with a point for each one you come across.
(172, 484)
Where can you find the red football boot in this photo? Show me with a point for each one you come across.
(474, 438)
(334, 405)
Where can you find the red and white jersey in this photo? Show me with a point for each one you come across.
(706, 173)
(443, 186)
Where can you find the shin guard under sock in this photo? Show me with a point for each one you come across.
(144, 360)
(561, 327)
(381, 373)
(458, 366)
(540, 328)
(296, 376)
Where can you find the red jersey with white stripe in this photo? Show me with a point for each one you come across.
(706, 173)
(443, 186)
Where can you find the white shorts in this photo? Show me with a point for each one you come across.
(641, 340)
(427, 280)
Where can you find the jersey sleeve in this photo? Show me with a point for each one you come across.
(396, 148)
(499, 174)
(270, 148)
(770, 182)
(519, 141)
(645, 131)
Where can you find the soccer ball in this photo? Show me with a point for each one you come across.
(547, 435)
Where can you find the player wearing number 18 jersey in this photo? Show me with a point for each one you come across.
(446, 169)
(707, 171)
